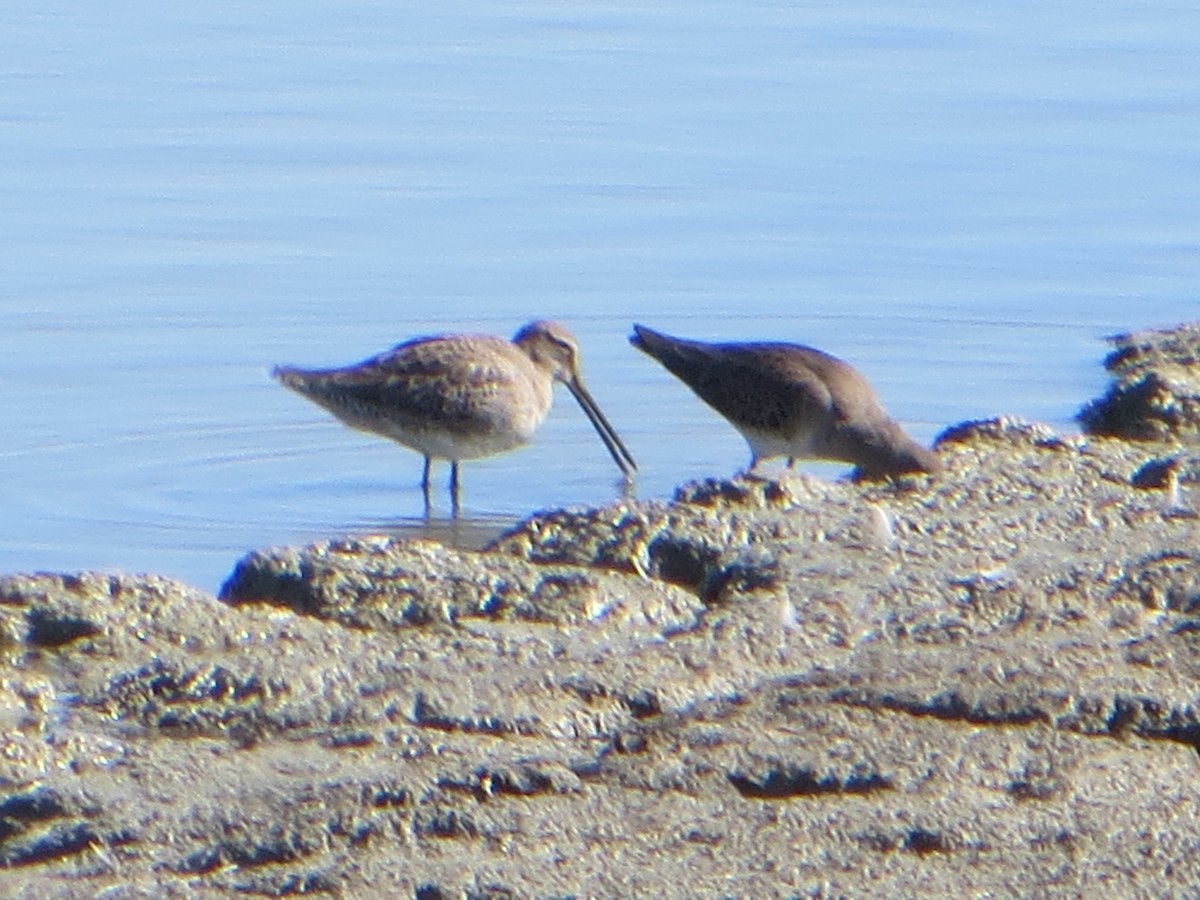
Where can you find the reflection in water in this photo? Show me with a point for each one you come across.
(468, 532)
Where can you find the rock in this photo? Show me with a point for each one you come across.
(382, 583)
(1155, 395)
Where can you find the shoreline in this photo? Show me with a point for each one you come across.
(980, 680)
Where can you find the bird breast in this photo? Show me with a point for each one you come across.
(487, 403)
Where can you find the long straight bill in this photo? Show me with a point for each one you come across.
(607, 434)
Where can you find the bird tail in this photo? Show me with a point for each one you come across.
(645, 339)
(676, 354)
(289, 377)
(304, 382)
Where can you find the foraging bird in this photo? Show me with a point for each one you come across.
(791, 400)
(458, 396)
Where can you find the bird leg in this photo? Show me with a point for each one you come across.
(454, 494)
(751, 473)
(425, 484)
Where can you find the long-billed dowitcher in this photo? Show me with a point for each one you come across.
(791, 400)
(458, 396)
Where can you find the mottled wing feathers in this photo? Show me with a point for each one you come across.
(451, 381)
(761, 386)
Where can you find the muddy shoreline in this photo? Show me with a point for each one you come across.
(986, 680)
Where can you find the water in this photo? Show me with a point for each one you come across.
(960, 201)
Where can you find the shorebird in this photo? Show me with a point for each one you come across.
(791, 400)
(458, 396)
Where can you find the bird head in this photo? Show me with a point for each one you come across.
(552, 348)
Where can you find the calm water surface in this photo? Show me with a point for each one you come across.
(962, 202)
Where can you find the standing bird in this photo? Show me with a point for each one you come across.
(458, 396)
(791, 400)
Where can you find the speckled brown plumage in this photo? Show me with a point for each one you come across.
(791, 400)
(459, 396)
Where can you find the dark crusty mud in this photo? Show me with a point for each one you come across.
(985, 682)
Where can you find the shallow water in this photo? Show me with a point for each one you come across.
(960, 202)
